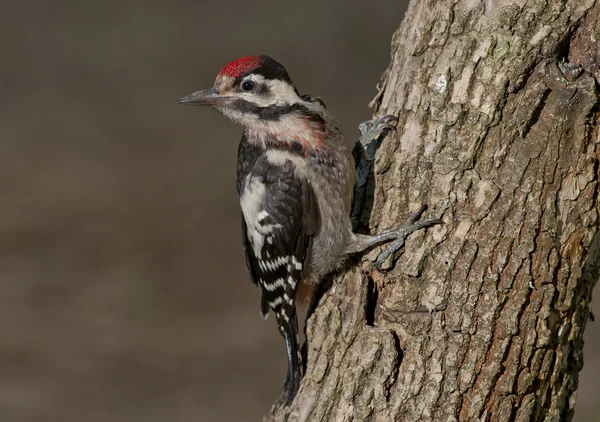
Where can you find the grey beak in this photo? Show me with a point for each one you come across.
(206, 97)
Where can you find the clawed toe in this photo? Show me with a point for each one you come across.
(382, 124)
(413, 224)
(387, 122)
(371, 130)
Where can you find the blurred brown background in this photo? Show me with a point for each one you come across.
(123, 291)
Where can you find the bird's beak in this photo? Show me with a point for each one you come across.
(206, 97)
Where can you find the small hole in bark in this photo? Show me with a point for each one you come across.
(372, 296)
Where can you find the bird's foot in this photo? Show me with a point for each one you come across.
(401, 233)
(372, 131)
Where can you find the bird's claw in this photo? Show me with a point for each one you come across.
(372, 131)
(387, 122)
(413, 224)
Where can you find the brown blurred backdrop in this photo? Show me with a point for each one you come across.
(123, 291)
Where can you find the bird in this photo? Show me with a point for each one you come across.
(295, 180)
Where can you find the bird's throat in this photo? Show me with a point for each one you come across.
(299, 134)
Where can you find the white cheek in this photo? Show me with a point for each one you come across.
(283, 91)
(260, 100)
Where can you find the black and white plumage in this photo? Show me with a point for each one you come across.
(280, 216)
(295, 181)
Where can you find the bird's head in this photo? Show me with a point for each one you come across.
(249, 90)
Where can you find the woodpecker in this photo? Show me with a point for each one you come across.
(295, 180)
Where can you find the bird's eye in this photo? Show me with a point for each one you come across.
(248, 85)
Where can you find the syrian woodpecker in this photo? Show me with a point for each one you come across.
(295, 181)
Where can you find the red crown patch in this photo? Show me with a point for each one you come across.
(240, 66)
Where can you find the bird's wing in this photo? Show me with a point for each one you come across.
(280, 216)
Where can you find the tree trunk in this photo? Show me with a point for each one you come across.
(481, 318)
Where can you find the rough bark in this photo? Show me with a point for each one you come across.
(481, 318)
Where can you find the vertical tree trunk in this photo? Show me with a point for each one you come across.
(481, 318)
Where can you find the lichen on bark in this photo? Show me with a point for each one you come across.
(481, 318)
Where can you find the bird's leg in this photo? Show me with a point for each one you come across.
(401, 233)
(371, 133)
(294, 374)
(398, 234)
